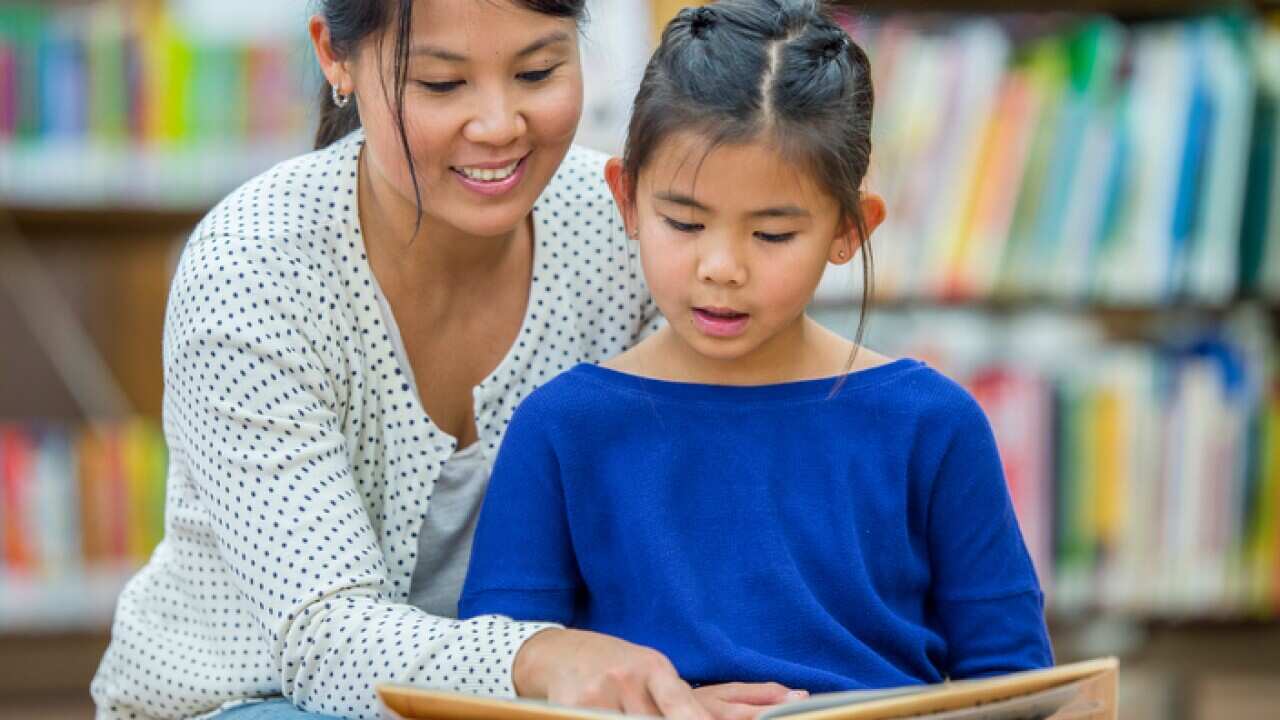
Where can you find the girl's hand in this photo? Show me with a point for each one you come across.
(588, 669)
(743, 701)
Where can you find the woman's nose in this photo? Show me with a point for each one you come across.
(496, 121)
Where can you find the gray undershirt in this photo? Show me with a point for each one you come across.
(444, 543)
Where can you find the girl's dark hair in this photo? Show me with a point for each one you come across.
(351, 22)
(777, 70)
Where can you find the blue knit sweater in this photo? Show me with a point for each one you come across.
(764, 533)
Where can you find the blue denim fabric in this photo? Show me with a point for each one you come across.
(275, 709)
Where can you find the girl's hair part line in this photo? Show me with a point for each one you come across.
(776, 71)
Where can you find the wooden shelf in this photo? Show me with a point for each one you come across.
(85, 220)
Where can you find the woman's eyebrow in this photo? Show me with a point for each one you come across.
(551, 38)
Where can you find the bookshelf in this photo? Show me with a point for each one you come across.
(121, 123)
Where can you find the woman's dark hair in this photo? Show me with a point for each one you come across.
(781, 71)
(351, 22)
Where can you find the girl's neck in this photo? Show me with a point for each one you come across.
(803, 351)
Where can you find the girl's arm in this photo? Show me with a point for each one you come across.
(984, 589)
(523, 563)
(523, 566)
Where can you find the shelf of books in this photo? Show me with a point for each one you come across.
(114, 104)
(1084, 227)
(80, 509)
(125, 119)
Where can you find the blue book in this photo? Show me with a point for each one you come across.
(1200, 119)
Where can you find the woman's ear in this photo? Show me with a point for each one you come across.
(847, 243)
(623, 194)
(335, 69)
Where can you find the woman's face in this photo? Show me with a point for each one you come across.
(493, 94)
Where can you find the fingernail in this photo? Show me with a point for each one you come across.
(797, 694)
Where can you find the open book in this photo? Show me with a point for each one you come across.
(1079, 691)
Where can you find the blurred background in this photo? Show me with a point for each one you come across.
(1084, 228)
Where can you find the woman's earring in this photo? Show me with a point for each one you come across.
(339, 99)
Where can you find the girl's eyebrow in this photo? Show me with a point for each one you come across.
(680, 199)
(551, 38)
(782, 211)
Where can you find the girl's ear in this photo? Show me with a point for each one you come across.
(623, 194)
(846, 244)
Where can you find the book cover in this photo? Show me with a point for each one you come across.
(1078, 690)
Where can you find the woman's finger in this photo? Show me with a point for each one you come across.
(637, 701)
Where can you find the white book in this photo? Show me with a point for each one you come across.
(1215, 250)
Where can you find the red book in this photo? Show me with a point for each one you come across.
(15, 490)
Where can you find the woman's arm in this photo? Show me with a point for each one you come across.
(254, 376)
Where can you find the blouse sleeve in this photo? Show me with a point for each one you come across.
(984, 585)
(255, 394)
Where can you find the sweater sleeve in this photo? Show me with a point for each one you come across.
(523, 564)
(255, 406)
(984, 587)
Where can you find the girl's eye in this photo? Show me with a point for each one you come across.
(441, 87)
(682, 227)
(537, 76)
(771, 238)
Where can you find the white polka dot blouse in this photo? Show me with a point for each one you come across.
(302, 463)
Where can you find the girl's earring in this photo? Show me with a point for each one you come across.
(840, 254)
(340, 99)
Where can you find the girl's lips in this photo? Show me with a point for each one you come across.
(720, 324)
(495, 187)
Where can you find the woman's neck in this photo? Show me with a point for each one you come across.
(439, 259)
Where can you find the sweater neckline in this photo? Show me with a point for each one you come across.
(792, 391)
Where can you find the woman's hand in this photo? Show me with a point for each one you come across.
(744, 701)
(588, 669)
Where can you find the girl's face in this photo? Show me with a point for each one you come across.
(733, 244)
(492, 99)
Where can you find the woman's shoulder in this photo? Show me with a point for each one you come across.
(578, 195)
(299, 200)
(292, 223)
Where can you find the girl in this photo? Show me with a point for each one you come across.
(744, 491)
(346, 338)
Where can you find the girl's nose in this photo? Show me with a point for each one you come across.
(719, 262)
(496, 121)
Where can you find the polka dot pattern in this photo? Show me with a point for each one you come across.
(302, 464)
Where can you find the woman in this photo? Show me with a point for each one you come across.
(346, 338)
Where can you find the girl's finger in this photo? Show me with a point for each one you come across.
(769, 693)
(675, 699)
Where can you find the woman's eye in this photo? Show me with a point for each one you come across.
(441, 87)
(775, 238)
(536, 76)
(682, 227)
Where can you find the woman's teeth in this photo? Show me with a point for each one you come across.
(488, 175)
